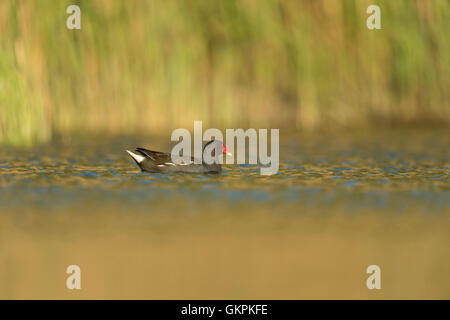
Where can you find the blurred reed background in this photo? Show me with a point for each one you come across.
(147, 66)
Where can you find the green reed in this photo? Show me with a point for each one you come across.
(144, 66)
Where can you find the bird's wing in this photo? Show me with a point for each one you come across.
(156, 156)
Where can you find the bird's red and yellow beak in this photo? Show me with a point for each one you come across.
(225, 151)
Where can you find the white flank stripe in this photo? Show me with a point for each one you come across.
(170, 164)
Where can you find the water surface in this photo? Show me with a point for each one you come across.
(378, 171)
(339, 203)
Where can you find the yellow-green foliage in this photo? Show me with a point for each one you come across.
(156, 65)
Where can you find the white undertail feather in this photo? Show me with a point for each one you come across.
(136, 157)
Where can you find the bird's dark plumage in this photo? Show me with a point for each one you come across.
(155, 161)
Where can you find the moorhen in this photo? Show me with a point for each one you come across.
(155, 161)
